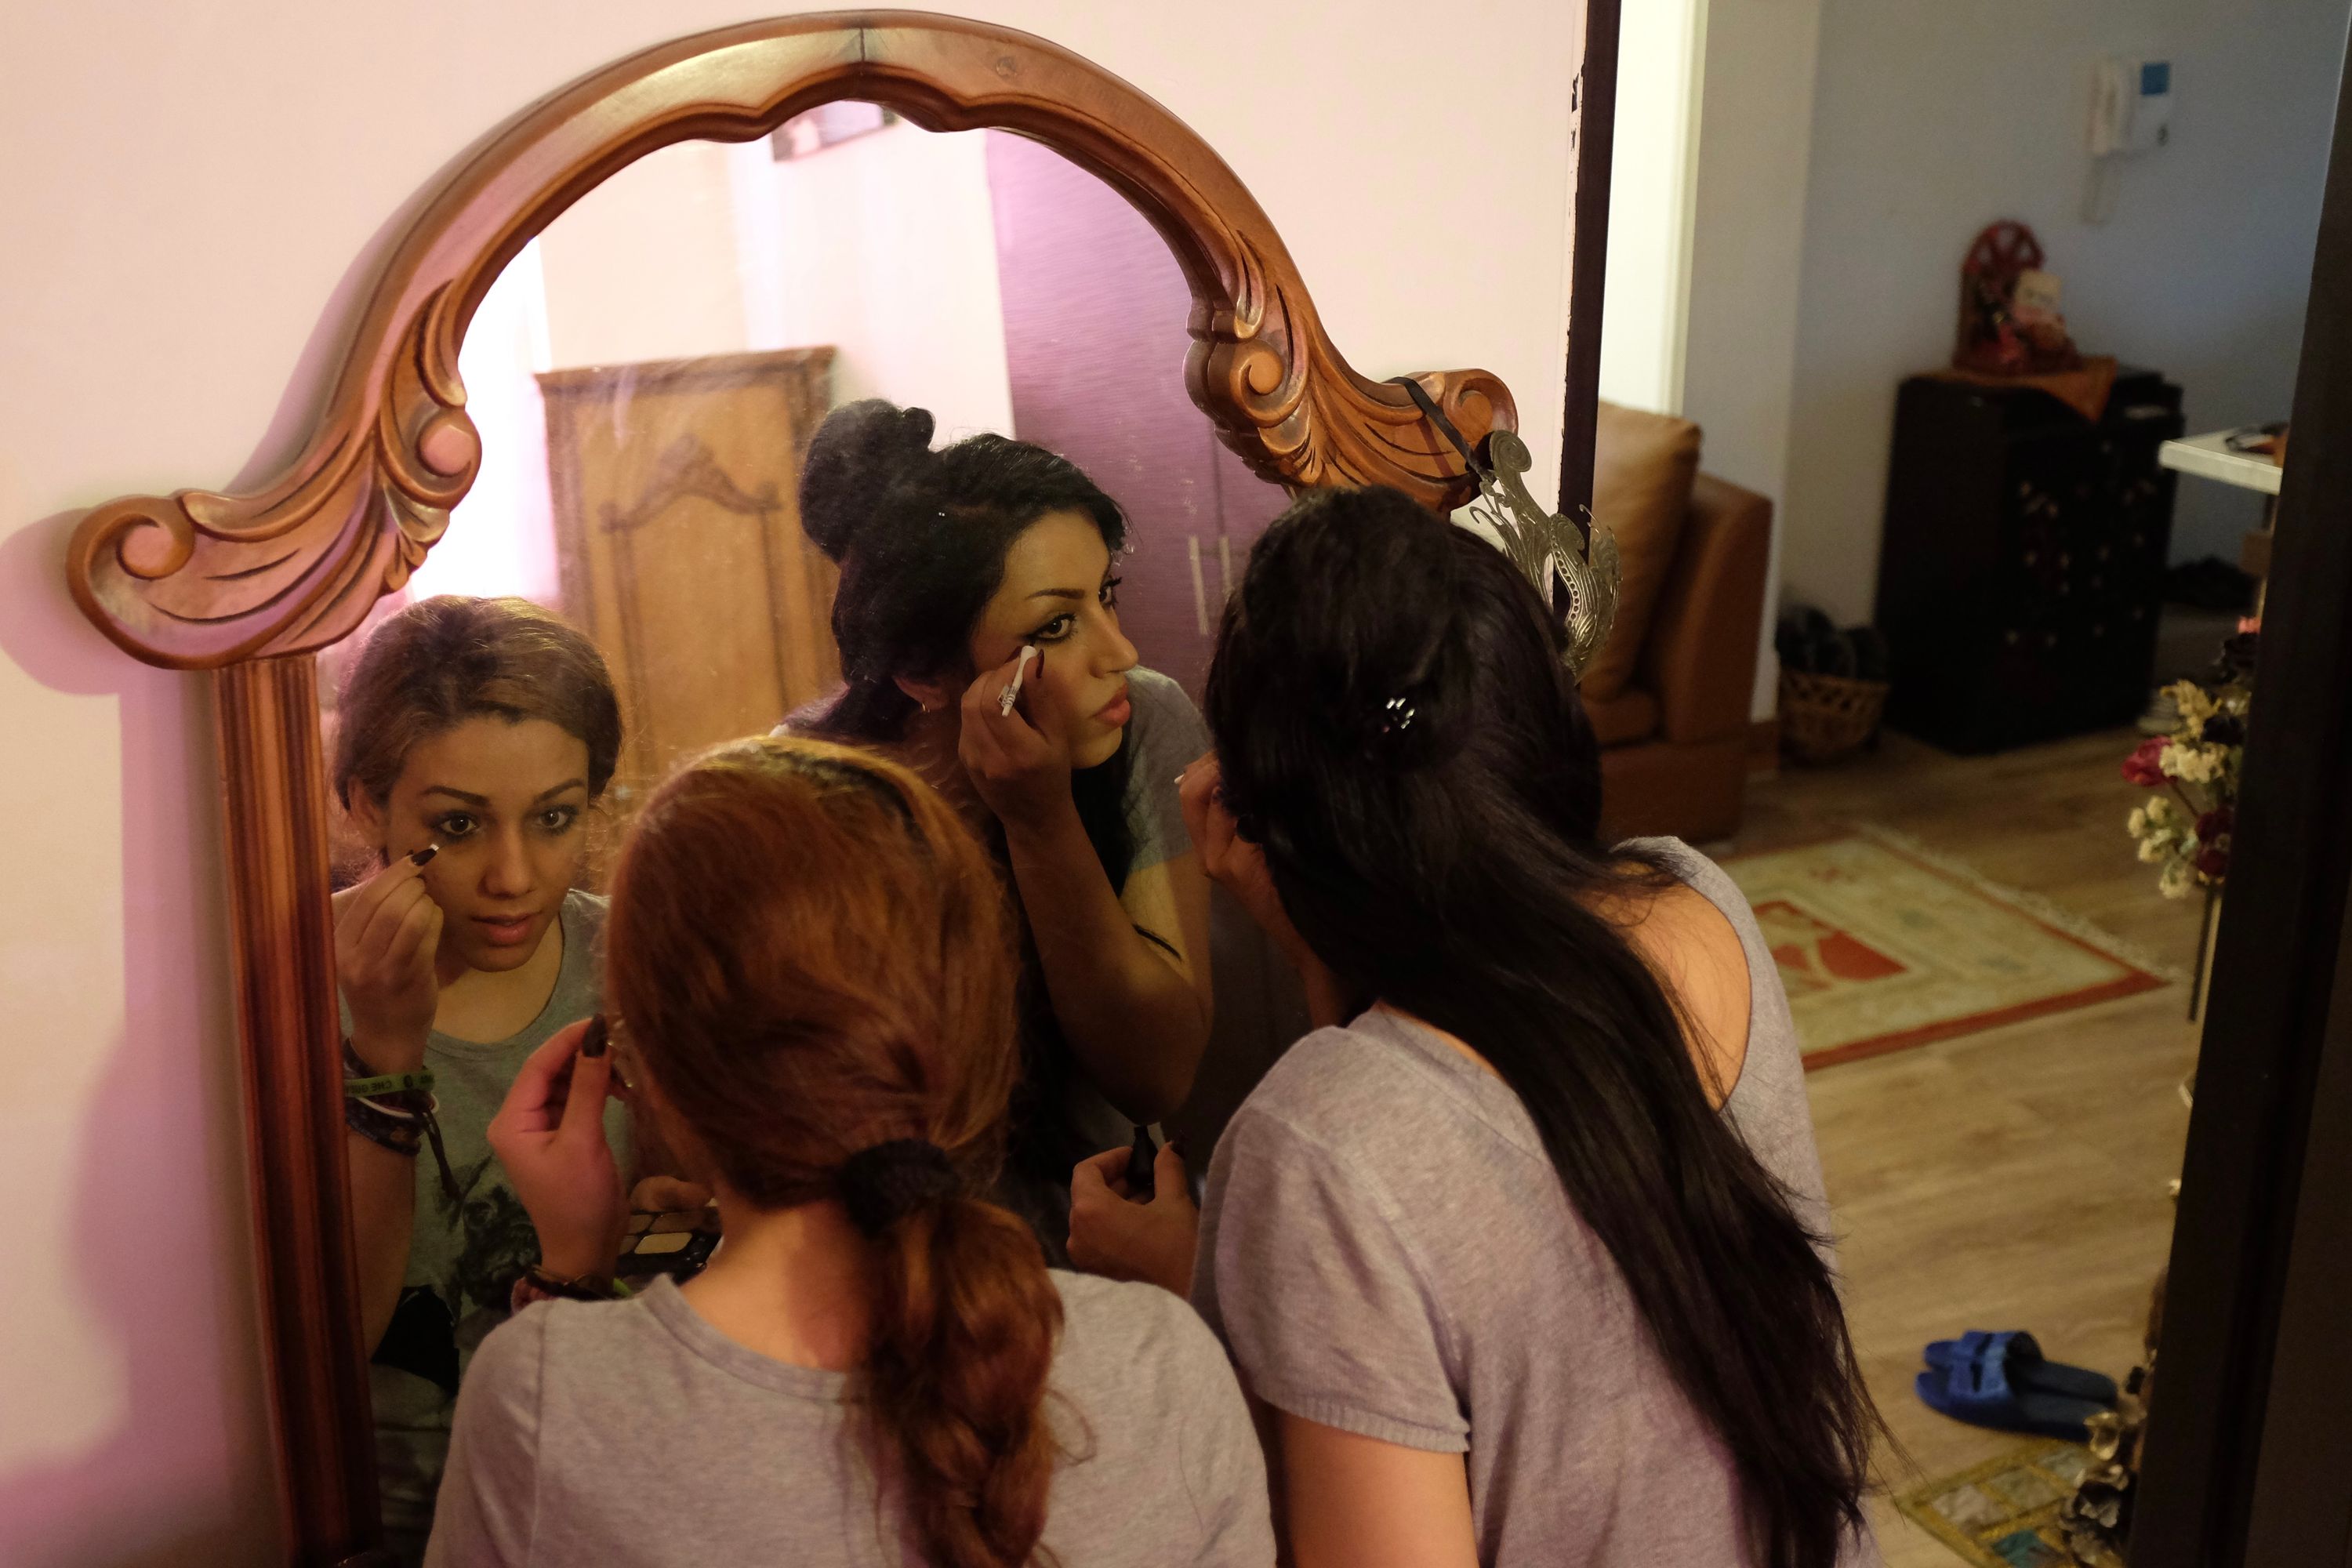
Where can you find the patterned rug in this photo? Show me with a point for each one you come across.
(2002, 1513)
(1884, 944)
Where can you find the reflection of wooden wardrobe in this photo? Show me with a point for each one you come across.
(675, 486)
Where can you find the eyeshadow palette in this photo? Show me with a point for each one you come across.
(674, 1242)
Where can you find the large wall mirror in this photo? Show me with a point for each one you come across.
(588, 376)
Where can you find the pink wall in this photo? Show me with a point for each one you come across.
(191, 192)
(1094, 341)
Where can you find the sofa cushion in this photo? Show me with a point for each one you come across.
(1643, 466)
(1631, 715)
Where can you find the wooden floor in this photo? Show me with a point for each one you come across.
(2014, 1179)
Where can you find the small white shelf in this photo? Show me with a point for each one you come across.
(2209, 457)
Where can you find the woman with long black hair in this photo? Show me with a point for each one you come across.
(977, 617)
(1526, 1250)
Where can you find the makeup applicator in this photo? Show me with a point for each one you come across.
(1012, 692)
(1142, 1156)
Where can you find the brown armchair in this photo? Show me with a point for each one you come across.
(1674, 739)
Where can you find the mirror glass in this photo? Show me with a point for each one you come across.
(647, 376)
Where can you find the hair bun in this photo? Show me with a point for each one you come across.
(858, 454)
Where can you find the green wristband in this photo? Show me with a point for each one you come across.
(389, 1083)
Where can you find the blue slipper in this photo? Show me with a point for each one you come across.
(2025, 1368)
(1980, 1392)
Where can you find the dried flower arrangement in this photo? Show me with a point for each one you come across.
(2185, 830)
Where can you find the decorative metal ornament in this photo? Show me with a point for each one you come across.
(1573, 566)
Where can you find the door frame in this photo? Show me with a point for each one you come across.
(2249, 1457)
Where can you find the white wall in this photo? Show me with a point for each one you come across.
(194, 193)
(1746, 247)
(1933, 118)
(1705, 234)
(884, 246)
(1645, 299)
(642, 267)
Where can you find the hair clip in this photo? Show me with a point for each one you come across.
(1399, 718)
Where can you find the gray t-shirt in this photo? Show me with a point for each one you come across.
(1260, 1007)
(635, 1434)
(1386, 1249)
(463, 1260)
(1166, 734)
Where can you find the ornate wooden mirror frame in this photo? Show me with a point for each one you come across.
(251, 586)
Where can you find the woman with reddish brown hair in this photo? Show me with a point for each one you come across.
(811, 968)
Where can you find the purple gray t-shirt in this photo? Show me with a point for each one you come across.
(634, 1435)
(1386, 1249)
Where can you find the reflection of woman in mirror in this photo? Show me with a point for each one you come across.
(1527, 1247)
(811, 977)
(952, 564)
(474, 737)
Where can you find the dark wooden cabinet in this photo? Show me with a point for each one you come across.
(2023, 562)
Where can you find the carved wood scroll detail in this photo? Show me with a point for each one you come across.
(199, 579)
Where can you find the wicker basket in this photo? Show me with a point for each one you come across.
(1824, 717)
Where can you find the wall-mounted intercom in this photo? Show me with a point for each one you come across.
(2131, 106)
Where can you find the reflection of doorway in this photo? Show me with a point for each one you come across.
(1094, 341)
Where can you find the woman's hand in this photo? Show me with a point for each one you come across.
(1239, 867)
(549, 1136)
(1020, 770)
(387, 937)
(1112, 1234)
(1232, 862)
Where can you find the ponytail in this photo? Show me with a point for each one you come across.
(813, 951)
(965, 1318)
